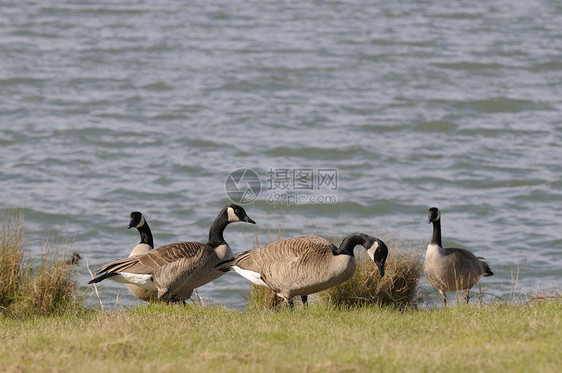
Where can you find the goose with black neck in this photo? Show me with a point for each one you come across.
(175, 270)
(451, 269)
(305, 265)
(137, 220)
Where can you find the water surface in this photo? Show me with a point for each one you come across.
(107, 108)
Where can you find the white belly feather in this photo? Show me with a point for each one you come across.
(143, 281)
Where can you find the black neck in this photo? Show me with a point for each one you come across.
(352, 240)
(217, 228)
(145, 234)
(436, 238)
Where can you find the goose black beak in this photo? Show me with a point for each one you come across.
(248, 220)
(381, 268)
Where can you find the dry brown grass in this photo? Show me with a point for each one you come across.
(397, 288)
(11, 262)
(30, 289)
(261, 297)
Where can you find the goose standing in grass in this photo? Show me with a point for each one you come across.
(304, 265)
(451, 269)
(176, 269)
(146, 243)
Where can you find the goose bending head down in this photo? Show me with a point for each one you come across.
(451, 269)
(304, 265)
(175, 270)
(137, 220)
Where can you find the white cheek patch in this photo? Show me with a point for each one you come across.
(371, 250)
(232, 217)
(141, 222)
(143, 281)
(251, 276)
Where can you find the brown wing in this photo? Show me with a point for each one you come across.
(285, 263)
(278, 252)
(156, 259)
(464, 261)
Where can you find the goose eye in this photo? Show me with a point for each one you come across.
(237, 211)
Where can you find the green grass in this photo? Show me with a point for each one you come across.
(157, 337)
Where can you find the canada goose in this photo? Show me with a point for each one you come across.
(146, 243)
(304, 265)
(176, 269)
(451, 269)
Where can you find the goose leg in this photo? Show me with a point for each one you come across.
(443, 297)
(304, 299)
(467, 296)
(290, 303)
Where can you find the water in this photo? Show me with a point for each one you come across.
(108, 107)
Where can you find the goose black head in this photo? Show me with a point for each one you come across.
(137, 220)
(378, 251)
(433, 215)
(236, 213)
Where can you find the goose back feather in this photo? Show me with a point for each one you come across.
(297, 266)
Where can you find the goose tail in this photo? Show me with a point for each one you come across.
(225, 265)
(487, 270)
(101, 277)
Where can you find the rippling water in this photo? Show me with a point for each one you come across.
(107, 107)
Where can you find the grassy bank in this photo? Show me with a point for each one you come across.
(45, 327)
(157, 337)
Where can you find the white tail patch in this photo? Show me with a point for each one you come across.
(251, 276)
(143, 281)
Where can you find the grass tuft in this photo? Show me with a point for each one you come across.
(397, 288)
(28, 290)
(11, 263)
(262, 298)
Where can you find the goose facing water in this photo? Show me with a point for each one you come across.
(146, 243)
(176, 269)
(304, 265)
(451, 269)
